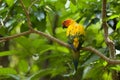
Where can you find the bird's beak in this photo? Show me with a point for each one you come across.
(64, 26)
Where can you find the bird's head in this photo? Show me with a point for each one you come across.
(67, 22)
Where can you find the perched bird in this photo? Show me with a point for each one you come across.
(76, 36)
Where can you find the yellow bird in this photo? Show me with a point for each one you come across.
(76, 36)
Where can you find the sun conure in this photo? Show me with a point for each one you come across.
(76, 36)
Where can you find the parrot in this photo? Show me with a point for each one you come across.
(76, 36)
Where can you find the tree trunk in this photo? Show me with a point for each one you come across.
(4, 60)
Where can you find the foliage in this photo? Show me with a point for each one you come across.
(33, 57)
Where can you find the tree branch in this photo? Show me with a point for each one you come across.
(32, 4)
(3, 39)
(52, 38)
(109, 42)
(27, 15)
(110, 61)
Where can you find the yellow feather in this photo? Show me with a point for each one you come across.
(75, 29)
(76, 42)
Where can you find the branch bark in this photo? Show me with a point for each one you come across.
(3, 39)
(109, 42)
(109, 60)
(52, 38)
(27, 15)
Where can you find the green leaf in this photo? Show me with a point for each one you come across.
(73, 7)
(23, 66)
(45, 50)
(107, 76)
(10, 2)
(62, 49)
(48, 9)
(117, 67)
(50, 1)
(26, 2)
(118, 25)
(113, 16)
(5, 71)
(42, 25)
(74, 1)
(39, 74)
(3, 31)
(93, 71)
(10, 22)
(24, 27)
(40, 15)
(24, 42)
(6, 53)
(92, 59)
(40, 21)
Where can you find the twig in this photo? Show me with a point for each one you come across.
(110, 61)
(27, 15)
(2, 41)
(52, 38)
(33, 2)
(109, 42)
(91, 49)
(14, 36)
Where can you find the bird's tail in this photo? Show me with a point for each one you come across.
(76, 55)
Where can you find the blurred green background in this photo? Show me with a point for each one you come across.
(34, 57)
